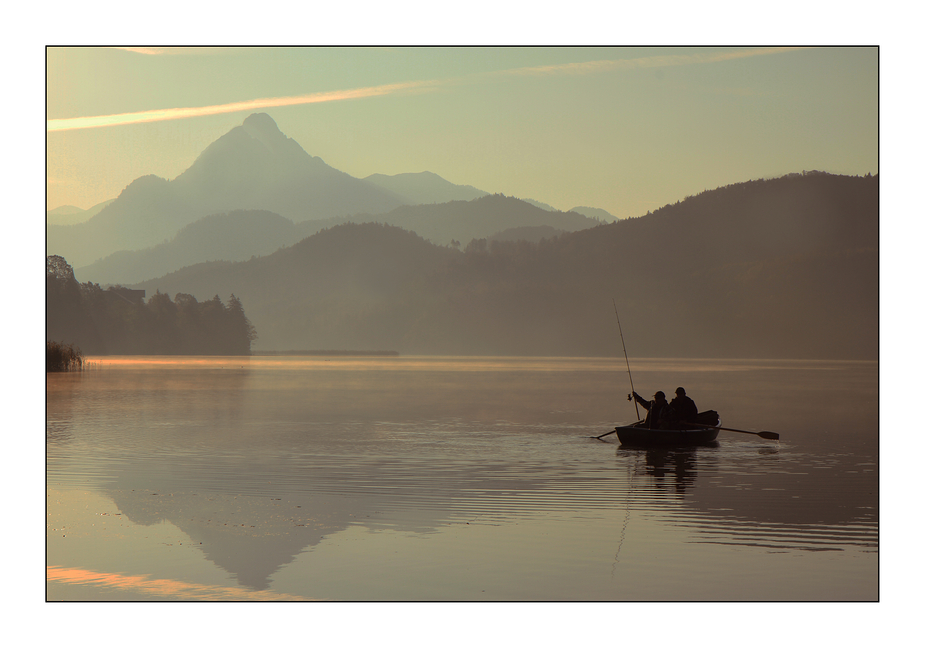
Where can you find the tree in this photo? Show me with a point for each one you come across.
(105, 321)
(58, 269)
(66, 319)
(240, 331)
(477, 246)
(161, 324)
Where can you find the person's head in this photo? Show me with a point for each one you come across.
(680, 391)
(659, 396)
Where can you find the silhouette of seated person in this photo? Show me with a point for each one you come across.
(658, 410)
(683, 408)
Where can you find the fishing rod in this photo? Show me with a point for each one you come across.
(625, 356)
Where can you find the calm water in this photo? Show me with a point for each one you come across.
(456, 479)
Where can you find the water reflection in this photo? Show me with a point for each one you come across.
(254, 512)
(156, 588)
(263, 462)
(751, 496)
(671, 469)
(249, 537)
(737, 532)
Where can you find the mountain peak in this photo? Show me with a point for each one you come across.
(261, 124)
(262, 128)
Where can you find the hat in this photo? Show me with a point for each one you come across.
(680, 390)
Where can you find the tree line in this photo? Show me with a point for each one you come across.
(117, 321)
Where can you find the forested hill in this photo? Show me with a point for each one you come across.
(463, 221)
(770, 268)
(784, 268)
(348, 287)
(241, 234)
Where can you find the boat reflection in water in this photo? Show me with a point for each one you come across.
(672, 468)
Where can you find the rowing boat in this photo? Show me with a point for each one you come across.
(636, 435)
(639, 436)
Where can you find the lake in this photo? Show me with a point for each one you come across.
(349, 478)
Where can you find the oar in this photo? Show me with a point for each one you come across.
(764, 435)
(612, 431)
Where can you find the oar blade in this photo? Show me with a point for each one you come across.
(769, 435)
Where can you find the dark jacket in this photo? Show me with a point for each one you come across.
(684, 409)
(657, 412)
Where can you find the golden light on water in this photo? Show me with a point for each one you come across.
(159, 587)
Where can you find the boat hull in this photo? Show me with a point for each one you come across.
(644, 437)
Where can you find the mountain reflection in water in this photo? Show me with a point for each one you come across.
(262, 463)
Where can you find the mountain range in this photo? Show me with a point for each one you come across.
(70, 215)
(423, 188)
(783, 268)
(241, 234)
(232, 236)
(253, 167)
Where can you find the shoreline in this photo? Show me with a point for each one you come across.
(324, 353)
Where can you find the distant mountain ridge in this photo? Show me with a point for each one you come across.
(462, 221)
(234, 236)
(70, 215)
(253, 166)
(240, 234)
(784, 268)
(596, 213)
(424, 187)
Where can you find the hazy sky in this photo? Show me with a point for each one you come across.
(624, 129)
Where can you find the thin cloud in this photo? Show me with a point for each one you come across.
(171, 51)
(150, 51)
(587, 67)
(667, 60)
(101, 121)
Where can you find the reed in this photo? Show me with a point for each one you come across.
(62, 357)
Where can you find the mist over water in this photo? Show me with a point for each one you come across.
(456, 478)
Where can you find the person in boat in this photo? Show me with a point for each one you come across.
(659, 411)
(682, 407)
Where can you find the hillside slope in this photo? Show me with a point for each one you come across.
(778, 268)
(235, 236)
(424, 188)
(463, 221)
(326, 291)
(241, 234)
(784, 268)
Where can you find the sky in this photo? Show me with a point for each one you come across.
(625, 129)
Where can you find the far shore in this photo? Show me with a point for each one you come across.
(324, 353)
